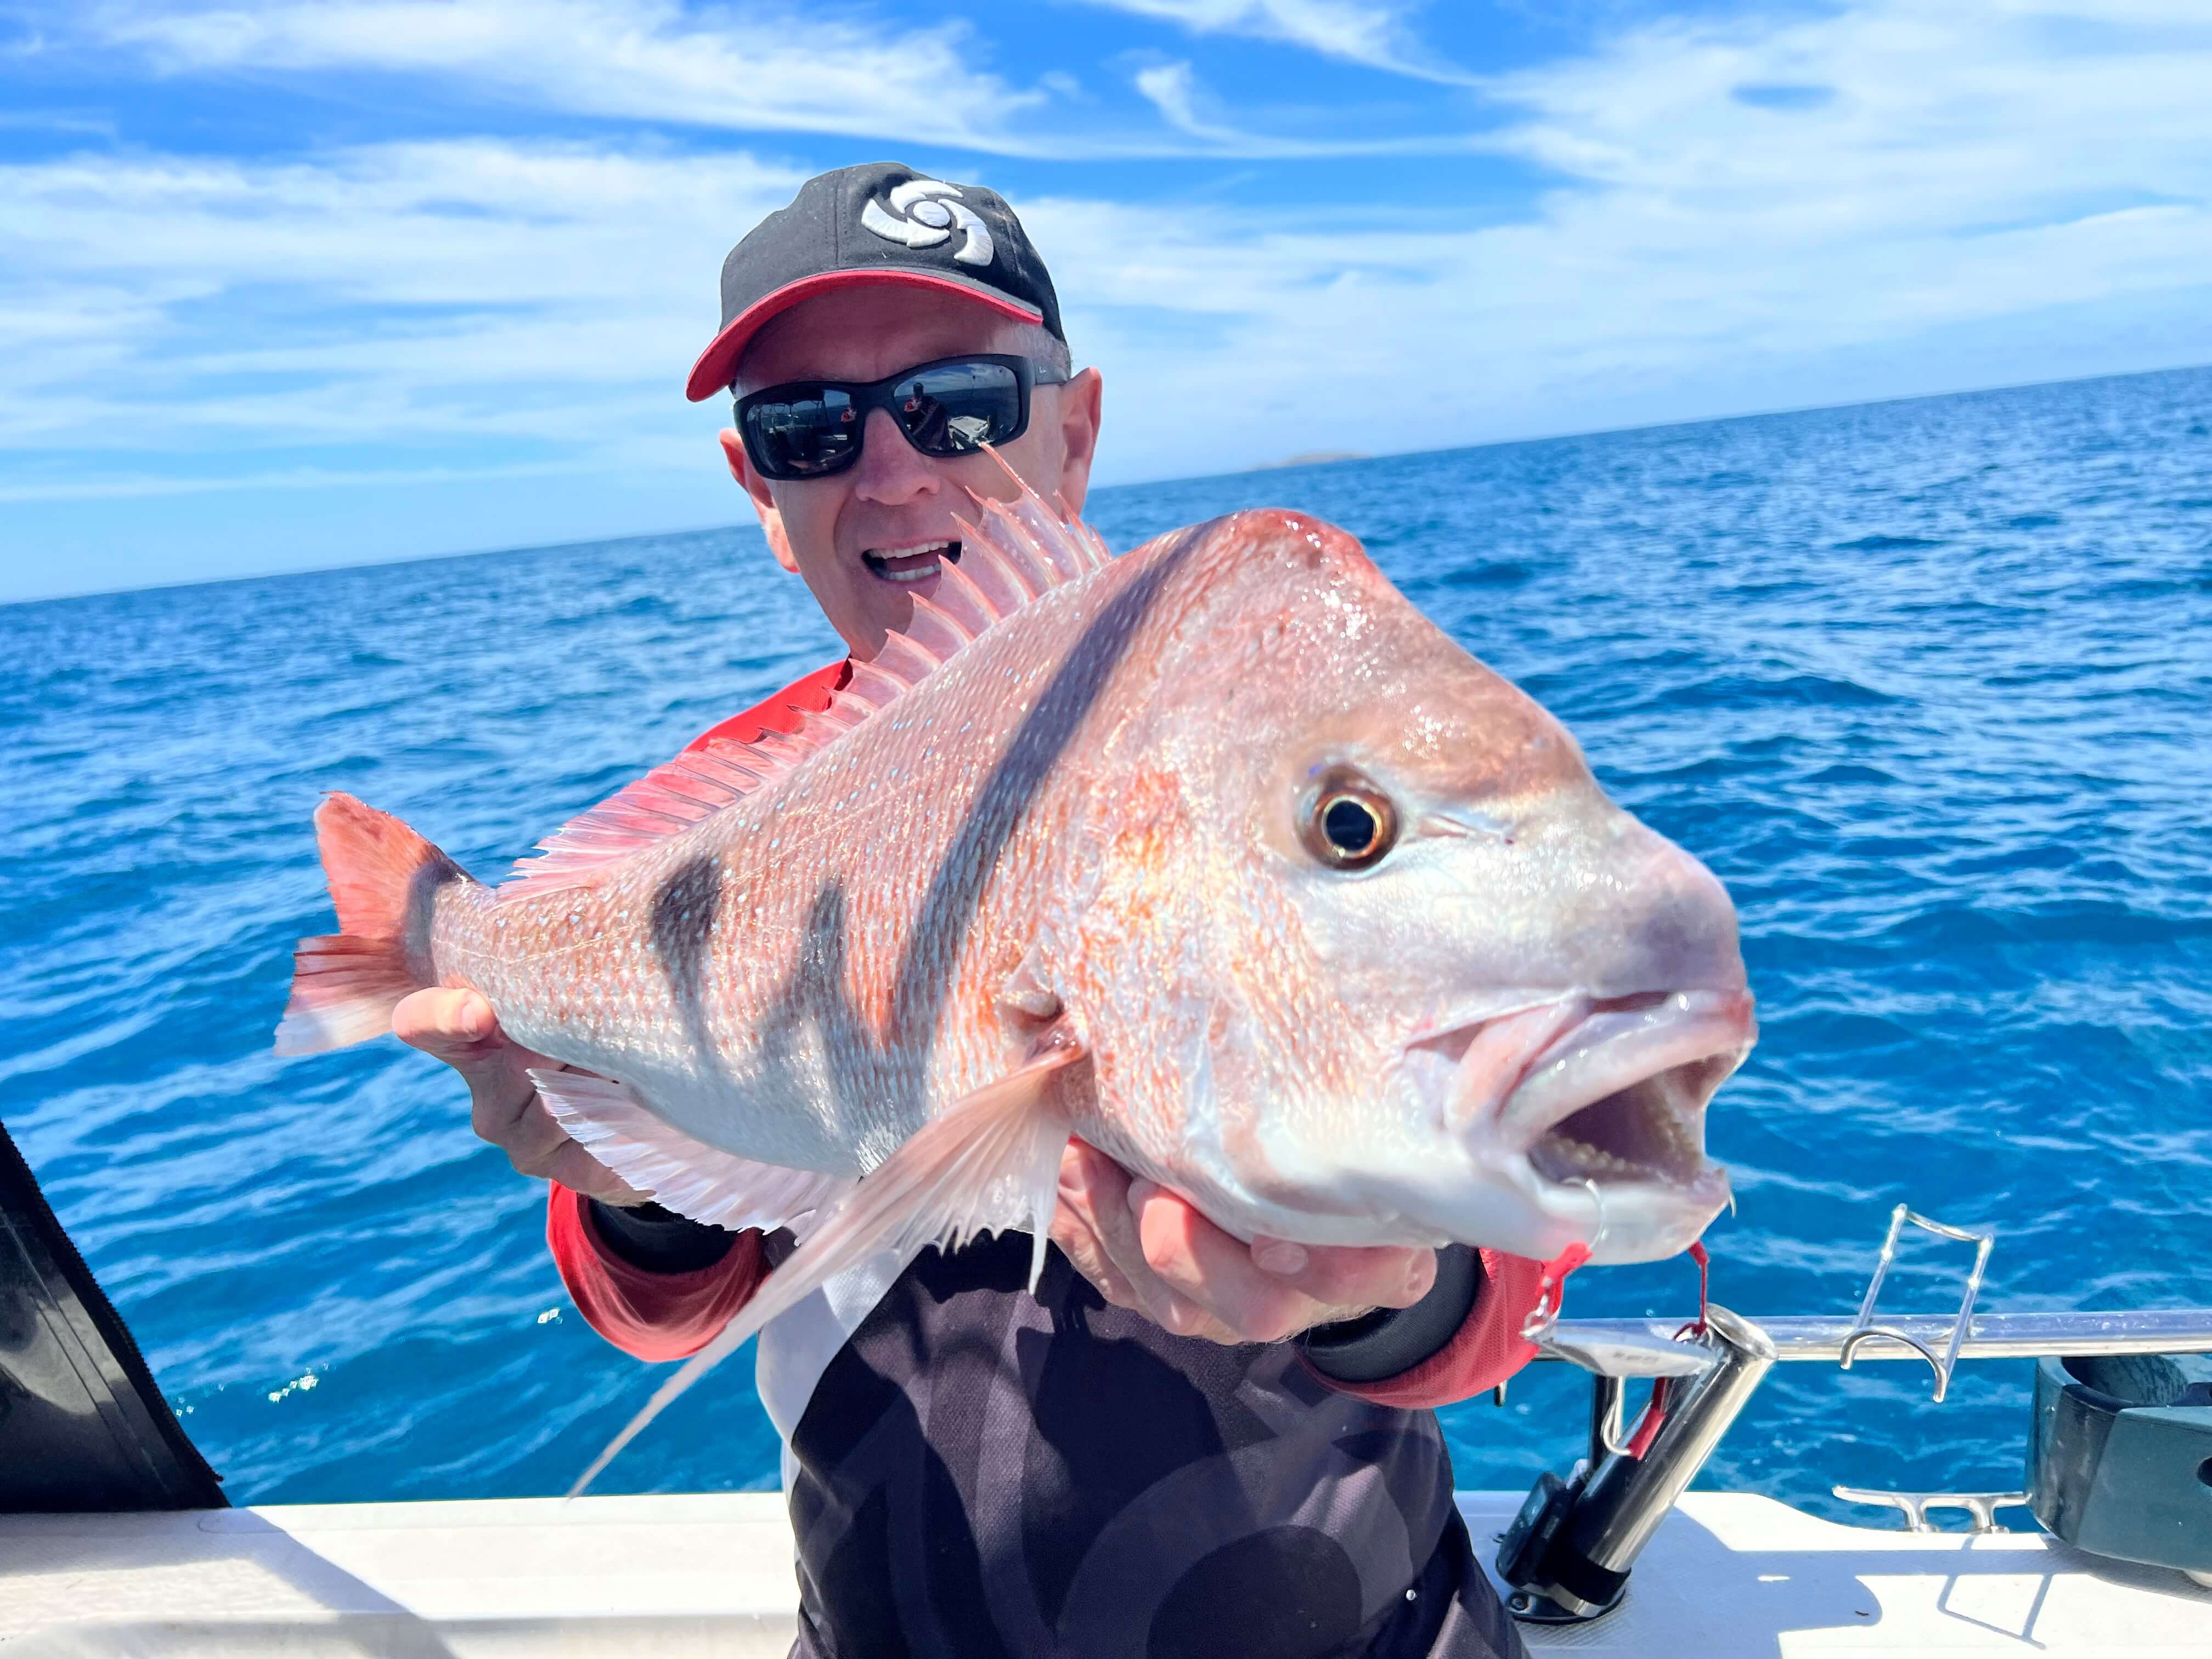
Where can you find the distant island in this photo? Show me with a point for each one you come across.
(1314, 458)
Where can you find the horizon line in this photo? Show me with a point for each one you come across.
(1291, 465)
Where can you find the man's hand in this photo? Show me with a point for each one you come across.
(460, 1028)
(1147, 1249)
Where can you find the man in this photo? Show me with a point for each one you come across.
(1135, 1460)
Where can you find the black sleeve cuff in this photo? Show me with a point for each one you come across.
(658, 1241)
(1390, 1341)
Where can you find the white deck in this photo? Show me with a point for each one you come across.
(643, 1577)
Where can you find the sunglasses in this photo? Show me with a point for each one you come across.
(953, 407)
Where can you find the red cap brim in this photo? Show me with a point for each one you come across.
(718, 364)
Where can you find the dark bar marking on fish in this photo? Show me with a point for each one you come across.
(423, 885)
(1044, 734)
(815, 991)
(875, 1065)
(683, 915)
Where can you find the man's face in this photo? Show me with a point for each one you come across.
(868, 539)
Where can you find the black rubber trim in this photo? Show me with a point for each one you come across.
(1390, 1341)
(1580, 1577)
(83, 1425)
(658, 1241)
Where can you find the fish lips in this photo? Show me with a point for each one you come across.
(1594, 1109)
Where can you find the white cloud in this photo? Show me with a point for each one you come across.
(1952, 178)
(412, 292)
(1173, 89)
(795, 68)
(1980, 194)
(1950, 112)
(1355, 31)
(756, 70)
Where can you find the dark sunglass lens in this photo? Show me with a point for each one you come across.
(956, 408)
(803, 437)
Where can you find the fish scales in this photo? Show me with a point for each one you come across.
(798, 978)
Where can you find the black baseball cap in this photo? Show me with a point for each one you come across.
(878, 222)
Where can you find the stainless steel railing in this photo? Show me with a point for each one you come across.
(1568, 1554)
(1988, 1335)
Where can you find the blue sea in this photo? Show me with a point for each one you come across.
(1929, 683)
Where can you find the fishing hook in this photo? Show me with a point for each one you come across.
(1537, 1326)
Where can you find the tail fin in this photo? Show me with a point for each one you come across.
(385, 880)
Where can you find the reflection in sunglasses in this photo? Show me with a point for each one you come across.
(810, 429)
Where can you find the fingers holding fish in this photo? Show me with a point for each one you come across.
(1096, 1230)
(458, 1027)
(1214, 1285)
(1216, 1274)
(1350, 1275)
(1089, 1183)
(539, 1147)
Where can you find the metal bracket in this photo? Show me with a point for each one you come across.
(1624, 1353)
(1608, 1435)
(1863, 1327)
(1982, 1505)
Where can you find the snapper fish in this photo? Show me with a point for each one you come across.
(1217, 854)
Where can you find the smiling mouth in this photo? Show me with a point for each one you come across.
(908, 567)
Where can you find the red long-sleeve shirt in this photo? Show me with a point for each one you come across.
(659, 1316)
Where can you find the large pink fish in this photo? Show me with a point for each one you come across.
(1219, 855)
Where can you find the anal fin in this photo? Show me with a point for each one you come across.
(611, 1122)
(989, 1164)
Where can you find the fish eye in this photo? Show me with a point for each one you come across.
(1351, 823)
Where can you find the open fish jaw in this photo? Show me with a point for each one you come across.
(1651, 1131)
(1577, 1117)
(1624, 1089)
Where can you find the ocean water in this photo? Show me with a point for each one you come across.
(1929, 683)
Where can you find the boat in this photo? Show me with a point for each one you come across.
(115, 1538)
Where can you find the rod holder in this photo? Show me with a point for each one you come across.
(1569, 1553)
(1863, 1327)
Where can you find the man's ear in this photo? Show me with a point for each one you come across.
(763, 498)
(1079, 406)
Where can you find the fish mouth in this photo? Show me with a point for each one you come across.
(910, 567)
(1598, 1104)
(1620, 1096)
(1651, 1131)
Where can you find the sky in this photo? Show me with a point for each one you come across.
(288, 284)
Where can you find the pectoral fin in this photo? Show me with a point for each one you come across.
(988, 1163)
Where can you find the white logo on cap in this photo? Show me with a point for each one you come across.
(927, 219)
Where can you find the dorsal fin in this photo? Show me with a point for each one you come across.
(664, 802)
(1014, 551)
